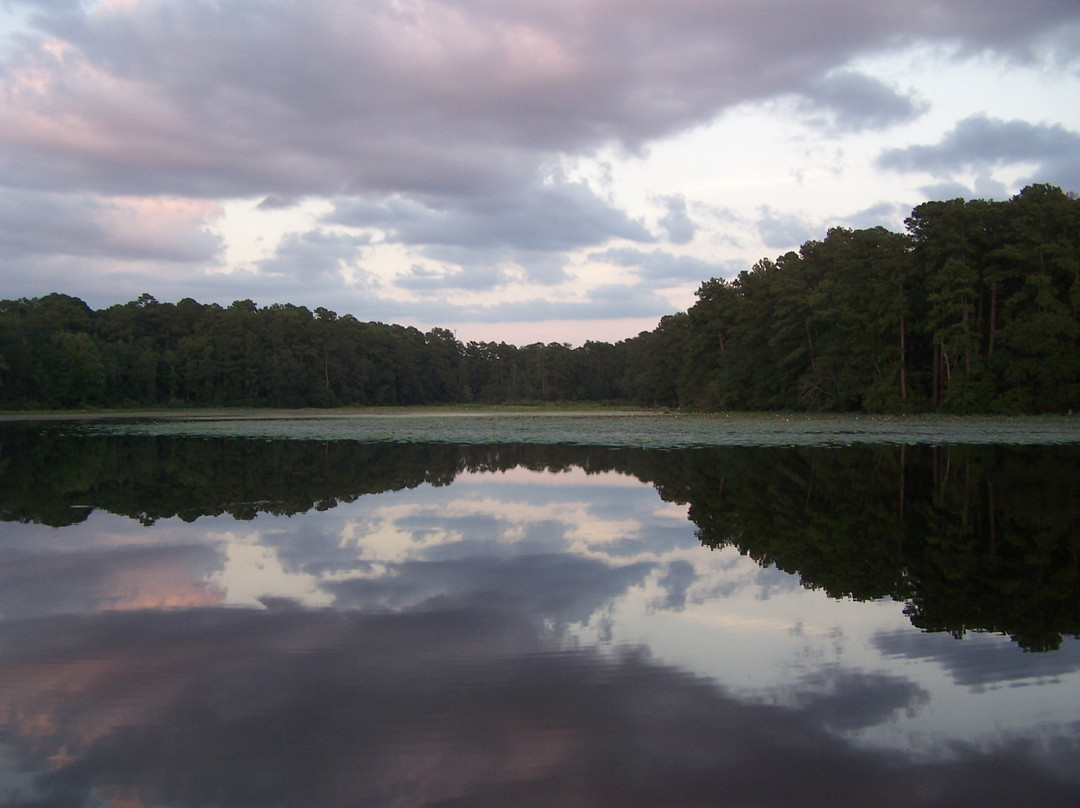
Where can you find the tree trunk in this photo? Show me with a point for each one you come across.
(903, 349)
(935, 384)
(993, 321)
(967, 340)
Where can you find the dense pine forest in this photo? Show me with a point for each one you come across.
(976, 308)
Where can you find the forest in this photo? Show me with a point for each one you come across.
(974, 309)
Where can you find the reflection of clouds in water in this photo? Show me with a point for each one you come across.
(486, 530)
(153, 577)
(253, 571)
(479, 588)
(304, 559)
(676, 582)
(980, 660)
(850, 700)
(725, 573)
(485, 514)
(772, 581)
(655, 540)
(558, 589)
(464, 706)
(318, 544)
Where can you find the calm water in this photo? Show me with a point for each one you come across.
(539, 611)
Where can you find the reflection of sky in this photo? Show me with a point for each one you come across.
(507, 603)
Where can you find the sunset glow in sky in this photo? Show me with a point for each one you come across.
(518, 170)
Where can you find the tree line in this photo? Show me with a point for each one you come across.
(975, 308)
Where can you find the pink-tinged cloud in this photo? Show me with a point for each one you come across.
(125, 228)
(241, 97)
(454, 135)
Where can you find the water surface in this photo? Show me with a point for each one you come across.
(247, 613)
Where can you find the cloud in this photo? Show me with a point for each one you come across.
(783, 231)
(607, 301)
(557, 215)
(676, 221)
(426, 280)
(555, 587)
(984, 187)
(432, 125)
(978, 660)
(603, 302)
(239, 98)
(317, 255)
(33, 585)
(676, 582)
(884, 214)
(126, 229)
(473, 706)
(659, 266)
(850, 700)
(980, 143)
(278, 202)
(847, 101)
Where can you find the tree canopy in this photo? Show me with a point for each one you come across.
(976, 308)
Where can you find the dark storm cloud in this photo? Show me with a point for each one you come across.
(659, 266)
(467, 707)
(979, 143)
(850, 101)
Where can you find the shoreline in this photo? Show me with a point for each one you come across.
(273, 414)
(466, 411)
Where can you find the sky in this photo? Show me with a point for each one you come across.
(513, 170)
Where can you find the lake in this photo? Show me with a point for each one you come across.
(550, 610)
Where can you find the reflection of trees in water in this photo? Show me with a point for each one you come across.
(969, 537)
(55, 479)
(981, 538)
